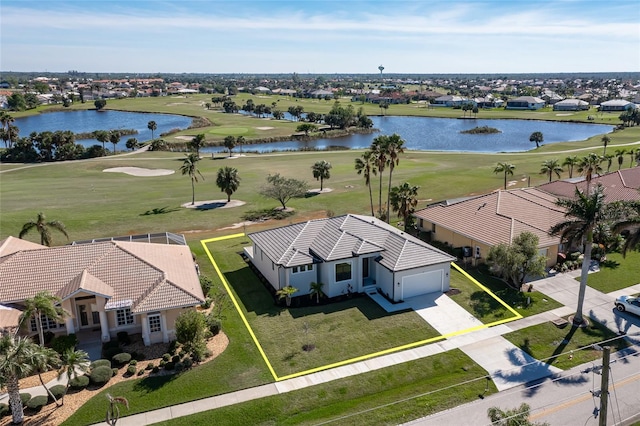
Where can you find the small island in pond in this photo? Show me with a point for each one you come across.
(481, 130)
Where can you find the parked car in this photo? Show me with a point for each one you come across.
(628, 304)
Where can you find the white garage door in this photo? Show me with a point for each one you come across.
(426, 282)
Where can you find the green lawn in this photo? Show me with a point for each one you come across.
(486, 308)
(339, 331)
(428, 385)
(556, 346)
(616, 272)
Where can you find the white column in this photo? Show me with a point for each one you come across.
(68, 322)
(104, 326)
(163, 324)
(145, 329)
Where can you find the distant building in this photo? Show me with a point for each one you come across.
(449, 101)
(616, 105)
(571, 105)
(525, 102)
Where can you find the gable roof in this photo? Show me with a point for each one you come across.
(344, 237)
(126, 273)
(621, 185)
(500, 216)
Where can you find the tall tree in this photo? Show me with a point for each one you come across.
(395, 147)
(404, 199)
(366, 166)
(283, 189)
(44, 360)
(190, 167)
(629, 226)
(152, 125)
(228, 180)
(549, 167)
(379, 152)
(321, 171)
(114, 138)
(632, 156)
(43, 304)
(132, 143)
(73, 363)
(590, 165)
(583, 212)
(536, 137)
(16, 354)
(609, 159)
(196, 143)
(229, 143)
(515, 261)
(101, 136)
(44, 229)
(240, 140)
(605, 142)
(619, 153)
(505, 168)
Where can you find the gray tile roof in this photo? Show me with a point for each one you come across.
(344, 237)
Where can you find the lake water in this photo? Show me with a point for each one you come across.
(443, 134)
(88, 121)
(419, 133)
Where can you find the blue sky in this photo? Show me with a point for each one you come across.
(428, 36)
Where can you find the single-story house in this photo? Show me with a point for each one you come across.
(349, 254)
(482, 222)
(617, 105)
(105, 286)
(571, 105)
(449, 101)
(525, 102)
(621, 185)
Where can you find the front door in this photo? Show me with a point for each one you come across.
(86, 316)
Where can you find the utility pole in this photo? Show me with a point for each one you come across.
(604, 386)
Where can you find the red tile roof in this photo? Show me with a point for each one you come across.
(618, 186)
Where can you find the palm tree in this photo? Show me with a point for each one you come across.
(570, 163)
(43, 304)
(583, 213)
(286, 293)
(16, 353)
(113, 412)
(630, 225)
(366, 165)
(632, 156)
(620, 156)
(114, 138)
(589, 166)
(152, 126)
(228, 180)
(321, 171)
(505, 168)
(609, 159)
(190, 167)
(101, 136)
(42, 361)
(549, 167)
(240, 140)
(44, 229)
(605, 141)
(229, 143)
(404, 199)
(514, 417)
(316, 290)
(395, 146)
(536, 137)
(196, 143)
(379, 152)
(73, 363)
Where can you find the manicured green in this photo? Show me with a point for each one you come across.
(617, 272)
(428, 385)
(486, 308)
(339, 331)
(565, 347)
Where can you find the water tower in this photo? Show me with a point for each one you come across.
(381, 68)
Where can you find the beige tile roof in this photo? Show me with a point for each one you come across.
(500, 216)
(618, 186)
(12, 244)
(126, 272)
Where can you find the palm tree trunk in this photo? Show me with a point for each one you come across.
(48, 390)
(586, 262)
(371, 199)
(389, 195)
(39, 326)
(380, 197)
(321, 181)
(505, 181)
(13, 388)
(193, 192)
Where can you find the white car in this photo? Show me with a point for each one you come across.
(628, 304)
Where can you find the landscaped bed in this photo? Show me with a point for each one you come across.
(337, 331)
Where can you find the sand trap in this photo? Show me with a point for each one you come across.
(139, 171)
(512, 182)
(238, 225)
(265, 128)
(565, 114)
(214, 204)
(317, 191)
(184, 138)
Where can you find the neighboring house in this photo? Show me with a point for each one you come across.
(525, 102)
(349, 254)
(621, 185)
(107, 286)
(617, 105)
(449, 101)
(487, 220)
(571, 105)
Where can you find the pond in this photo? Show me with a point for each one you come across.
(90, 120)
(443, 134)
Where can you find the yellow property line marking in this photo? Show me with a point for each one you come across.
(360, 358)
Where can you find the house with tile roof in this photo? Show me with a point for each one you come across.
(525, 102)
(349, 254)
(621, 185)
(106, 286)
(487, 220)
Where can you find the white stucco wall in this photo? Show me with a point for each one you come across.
(384, 280)
(266, 267)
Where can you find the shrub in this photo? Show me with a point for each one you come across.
(179, 366)
(166, 357)
(121, 359)
(175, 358)
(123, 338)
(61, 343)
(173, 347)
(111, 352)
(4, 410)
(133, 362)
(132, 370)
(205, 284)
(170, 365)
(141, 372)
(110, 344)
(25, 397)
(48, 337)
(213, 324)
(162, 363)
(100, 363)
(114, 372)
(190, 327)
(58, 391)
(79, 382)
(149, 366)
(100, 375)
(155, 369)
(37, 402)
(188, 363)
(138, 356)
